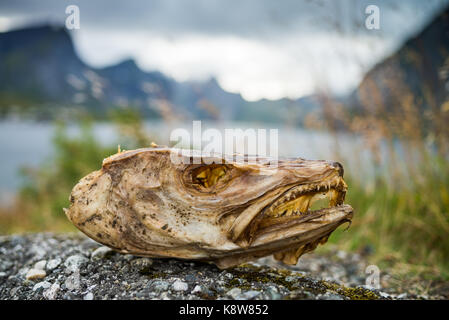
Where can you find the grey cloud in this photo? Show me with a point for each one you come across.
(245, 18)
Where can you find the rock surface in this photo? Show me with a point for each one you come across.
(75, 267)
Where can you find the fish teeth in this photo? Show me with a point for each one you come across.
(333, 198)
(299, 200)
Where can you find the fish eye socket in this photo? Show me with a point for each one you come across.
(208, 176)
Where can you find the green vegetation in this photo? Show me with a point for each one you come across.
(405, 224)
(246, 275)
(402, 212)
(401, 215)
(46, 189)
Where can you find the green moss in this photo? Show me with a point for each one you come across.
(351, 293)
(299, 286)
(252, 274)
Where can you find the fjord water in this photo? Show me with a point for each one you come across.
(29, 143)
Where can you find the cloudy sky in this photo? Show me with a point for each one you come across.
(259, 48)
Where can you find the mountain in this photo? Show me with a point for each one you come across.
(418, 70)
(40, 70)
(34, 63)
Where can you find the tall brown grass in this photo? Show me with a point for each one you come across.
(402, 212)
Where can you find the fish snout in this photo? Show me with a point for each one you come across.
(337, 166)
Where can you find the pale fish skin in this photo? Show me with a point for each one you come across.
(142, 202)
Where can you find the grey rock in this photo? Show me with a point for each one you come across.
(74, 262)
(52, 292)
(101, 253)
(13, 291)
(43, 284)
(197, 289)
(142, 264)
(89, 296)
(159, 286)
(53, 264)
(229, 276)
(128, 257)
(38, 249)
(234, 293)
(190, 278)
(180, 286)
(73, 282)
(273, 293)
(342, 255)
(23, 271)
(248, 295)
(6, 265)
(330, 296)
(40, 265)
